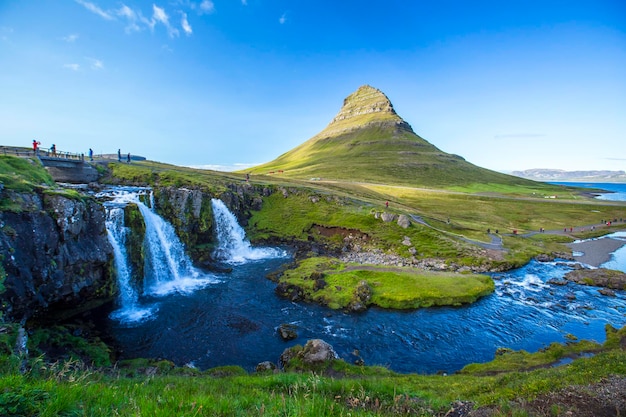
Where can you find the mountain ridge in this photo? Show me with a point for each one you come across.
(547, 174)
(367, 141)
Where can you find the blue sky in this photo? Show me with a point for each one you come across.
(506, 84)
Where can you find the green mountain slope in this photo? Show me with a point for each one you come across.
(368, 142)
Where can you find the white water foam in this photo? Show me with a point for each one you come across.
(167, 268)
(130, 311)
(233, 247)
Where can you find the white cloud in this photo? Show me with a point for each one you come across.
(207, 7)
(95, 9)
(244, 2)
(159, 16)
(96, 64)
(185, 24)
(135, 21)
(132, 18)
(283, 19)
(70, 38)
(73, 67)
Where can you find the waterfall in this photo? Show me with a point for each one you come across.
(117, 233)
(233, 247)
(129, 310)
(167, 268)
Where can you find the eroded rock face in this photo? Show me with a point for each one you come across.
(191, 214)
(55, 253)
(365, 101)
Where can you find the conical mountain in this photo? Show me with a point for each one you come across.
(368, 142)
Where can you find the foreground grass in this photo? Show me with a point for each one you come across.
(337, 285)
(159, 389)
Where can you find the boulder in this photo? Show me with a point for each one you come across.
(387, 217)
(606, 291)
(314, 353)
(265, 366)
(406, 241)
(318, 351)
(287, 331)
(290, 291)
(361, 298)
(543, 257)
(403, 221)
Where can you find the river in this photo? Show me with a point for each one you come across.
(231, 319)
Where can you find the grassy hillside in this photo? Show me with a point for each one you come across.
(515, 384)
(452, 216)
(368, 142)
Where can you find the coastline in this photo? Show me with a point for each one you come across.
(596, 251)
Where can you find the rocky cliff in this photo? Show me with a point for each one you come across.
(55, 253)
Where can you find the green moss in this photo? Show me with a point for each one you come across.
(45, 341)
(509, 361)
(395, 288)
(23, 174)
(615, 339)
(133, 219)
(226, 371)
(67, 193)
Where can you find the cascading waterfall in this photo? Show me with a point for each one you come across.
(167, 268)
(231, 238)
(129, 310)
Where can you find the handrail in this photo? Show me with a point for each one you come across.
(41, 152)
(50, 153)
(14, 150)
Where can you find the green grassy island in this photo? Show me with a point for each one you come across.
(356, 287)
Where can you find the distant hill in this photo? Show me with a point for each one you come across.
(571, 176)
(368, 142)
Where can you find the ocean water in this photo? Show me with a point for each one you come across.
(615, 191)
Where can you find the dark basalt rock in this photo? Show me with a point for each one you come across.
(290, 291)
(287, 332)
(56, 255)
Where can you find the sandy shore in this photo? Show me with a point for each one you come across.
(596, 251)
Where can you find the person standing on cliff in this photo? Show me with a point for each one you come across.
(36, 144)
(91, 154)
(53, 149)
(386, 204)
(128, 158)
